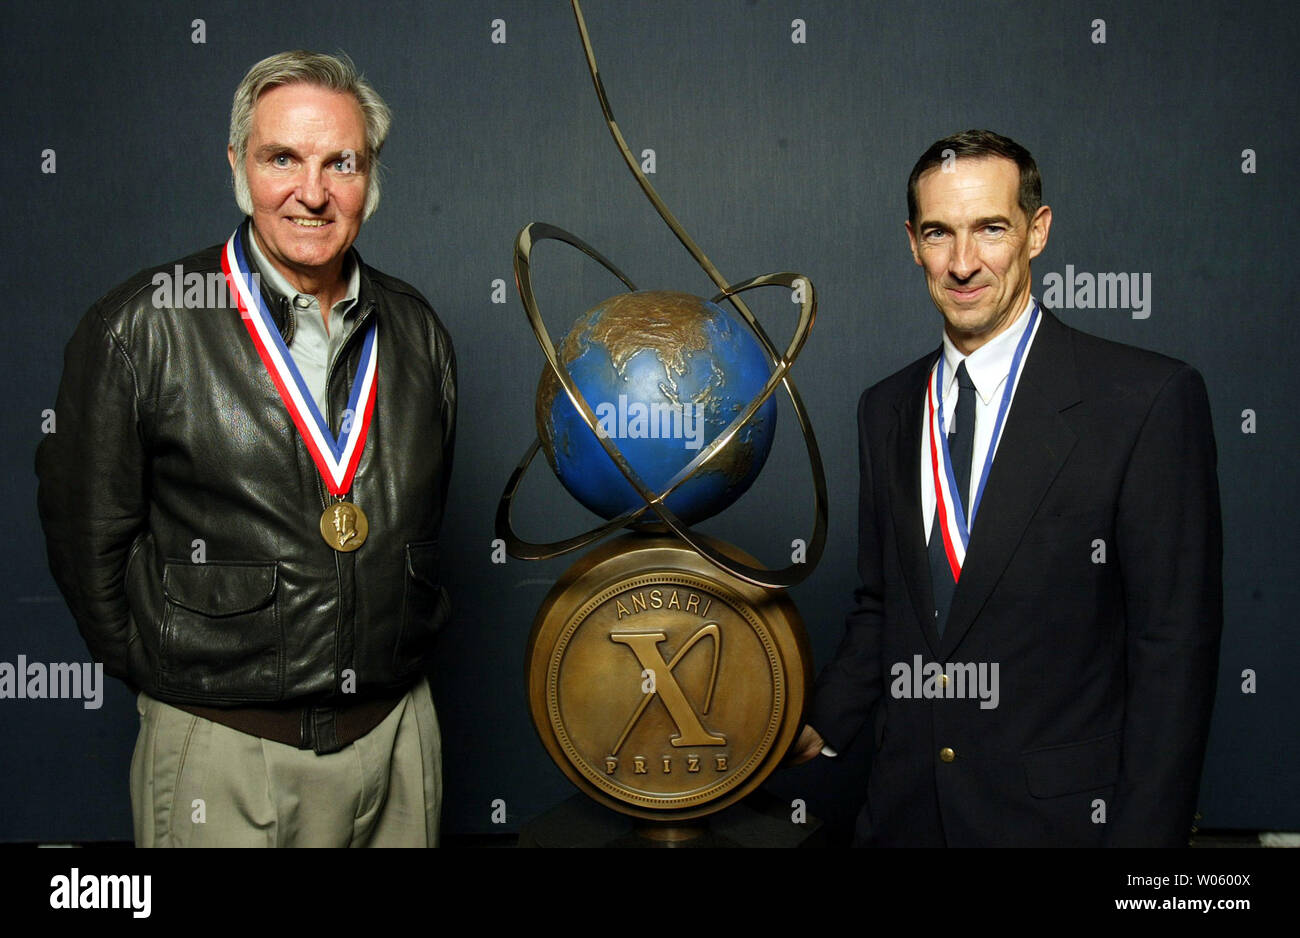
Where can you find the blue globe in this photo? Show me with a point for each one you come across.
(665, 373)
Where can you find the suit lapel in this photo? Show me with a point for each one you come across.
(1036, 441)
(904, 446)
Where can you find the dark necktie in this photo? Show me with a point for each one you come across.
(961, 446)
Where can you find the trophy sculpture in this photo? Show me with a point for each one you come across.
(666, 670)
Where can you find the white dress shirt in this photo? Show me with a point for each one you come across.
(989, 367)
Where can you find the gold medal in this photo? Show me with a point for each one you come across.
(344, 526)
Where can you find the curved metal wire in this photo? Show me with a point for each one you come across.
(760, 576)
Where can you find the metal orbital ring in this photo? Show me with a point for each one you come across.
(760, 576)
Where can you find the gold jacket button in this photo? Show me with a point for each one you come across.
(946, 754)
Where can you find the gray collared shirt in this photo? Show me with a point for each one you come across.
(312, 348)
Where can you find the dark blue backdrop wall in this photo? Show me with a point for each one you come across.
(1167, 150)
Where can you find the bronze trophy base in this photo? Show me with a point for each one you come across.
(663, 687)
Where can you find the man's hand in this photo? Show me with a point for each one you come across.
(808, 746)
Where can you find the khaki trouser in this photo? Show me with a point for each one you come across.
(195, 783)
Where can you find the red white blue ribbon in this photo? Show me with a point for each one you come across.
(336, 458)
(955, 522)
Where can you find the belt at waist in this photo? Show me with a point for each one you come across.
(323, 728)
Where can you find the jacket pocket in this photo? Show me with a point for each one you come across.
(1072, 768)
(425, 606)
(221, 632)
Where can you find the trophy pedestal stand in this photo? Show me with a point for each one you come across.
(758, 821)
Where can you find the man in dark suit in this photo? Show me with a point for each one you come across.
(1037, 629)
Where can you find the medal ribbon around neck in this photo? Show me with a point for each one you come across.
(954, 522)
(337, 459)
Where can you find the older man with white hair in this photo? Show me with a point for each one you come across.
(243, 498)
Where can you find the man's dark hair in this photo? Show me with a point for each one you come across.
(975, 144)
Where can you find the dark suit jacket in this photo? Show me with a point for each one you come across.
(1092, 579)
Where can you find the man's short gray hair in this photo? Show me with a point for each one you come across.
(312, 68)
